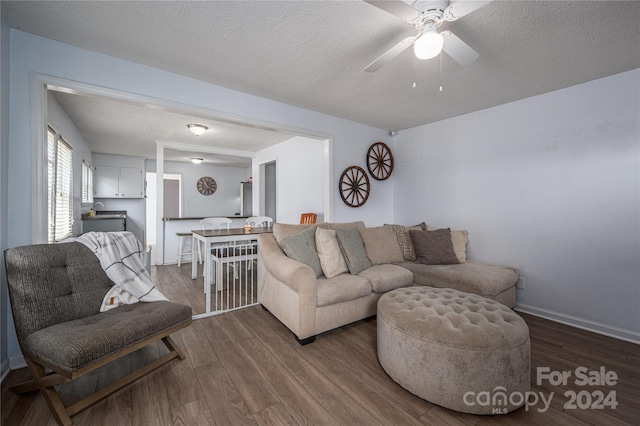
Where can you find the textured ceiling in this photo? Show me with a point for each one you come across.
(114, 127)
(312, 53)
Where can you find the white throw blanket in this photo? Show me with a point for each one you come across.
(120, 255)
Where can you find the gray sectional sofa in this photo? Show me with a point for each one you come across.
(300, 294)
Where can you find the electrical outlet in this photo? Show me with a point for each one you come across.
(522, 283)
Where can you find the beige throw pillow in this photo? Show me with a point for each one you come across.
(329, 252)
(459, 240)
(381, 245)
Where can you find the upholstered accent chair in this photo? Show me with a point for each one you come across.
(56, 291)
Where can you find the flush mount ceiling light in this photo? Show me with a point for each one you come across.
(197, 129)
(196, 160)
(430, 43)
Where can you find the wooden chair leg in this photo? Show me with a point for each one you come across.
(45, 382)
(171, 345)
(50, 395)
(50, 379)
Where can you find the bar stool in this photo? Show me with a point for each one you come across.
(182, 236)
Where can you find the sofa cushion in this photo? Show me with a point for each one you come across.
(471, 277)
(283, 230)
(433, 247)
(353, 250)
(404, 239)
(341, 288)
(302, 247)
(75, 344)
(387, 277)
(331, 258)
(381, 245)
(347, 225)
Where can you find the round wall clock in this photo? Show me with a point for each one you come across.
(354, 186)
(206, 185)
(379, 161)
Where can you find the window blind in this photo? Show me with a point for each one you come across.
(87, 183)
(60, 182)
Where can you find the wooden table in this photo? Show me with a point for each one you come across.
(209, 237)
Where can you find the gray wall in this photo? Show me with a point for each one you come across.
(548, 184)
(4, 162)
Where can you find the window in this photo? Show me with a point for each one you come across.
(87, 183)
(60, 178)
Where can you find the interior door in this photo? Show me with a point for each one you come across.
(270, 203)
(171, 201)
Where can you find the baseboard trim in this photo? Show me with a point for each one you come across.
(4, 369)
(17, 362)
(607, 330)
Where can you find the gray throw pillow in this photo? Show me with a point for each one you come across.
(302, 247)
(433, 247)
(353, 250)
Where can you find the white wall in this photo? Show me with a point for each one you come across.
(66, 128)
(548, 184)
(299, 177)
(224, 202)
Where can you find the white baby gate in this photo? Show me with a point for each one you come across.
(233, 283)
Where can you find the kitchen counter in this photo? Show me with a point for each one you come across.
(105, 221)
(166, 219)
(105, 214)
(174, 225)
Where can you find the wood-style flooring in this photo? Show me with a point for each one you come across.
(246, 368)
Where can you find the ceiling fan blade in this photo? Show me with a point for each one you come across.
(463, 7)
(390, 54)
(458, 49)
(397, 8)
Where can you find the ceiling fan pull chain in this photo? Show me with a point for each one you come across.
(441, 71)
(414, 71)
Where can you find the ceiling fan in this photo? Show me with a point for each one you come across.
(426, 16)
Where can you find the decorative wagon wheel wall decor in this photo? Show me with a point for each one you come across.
(354, 186)
(379, 161)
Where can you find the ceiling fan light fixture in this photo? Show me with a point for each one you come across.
(197, 129)
(196, 160)
(429, 45)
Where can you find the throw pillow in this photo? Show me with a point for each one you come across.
(459, 240)
(381, 245)
(404, 240)
(329, 252)
(433, 247)
(353, 250)
(302, 247)
(283, 230)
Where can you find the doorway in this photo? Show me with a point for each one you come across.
(172, 190)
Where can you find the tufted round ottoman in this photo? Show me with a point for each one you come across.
(458, 350)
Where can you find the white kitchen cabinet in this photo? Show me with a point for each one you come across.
(119, 182)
